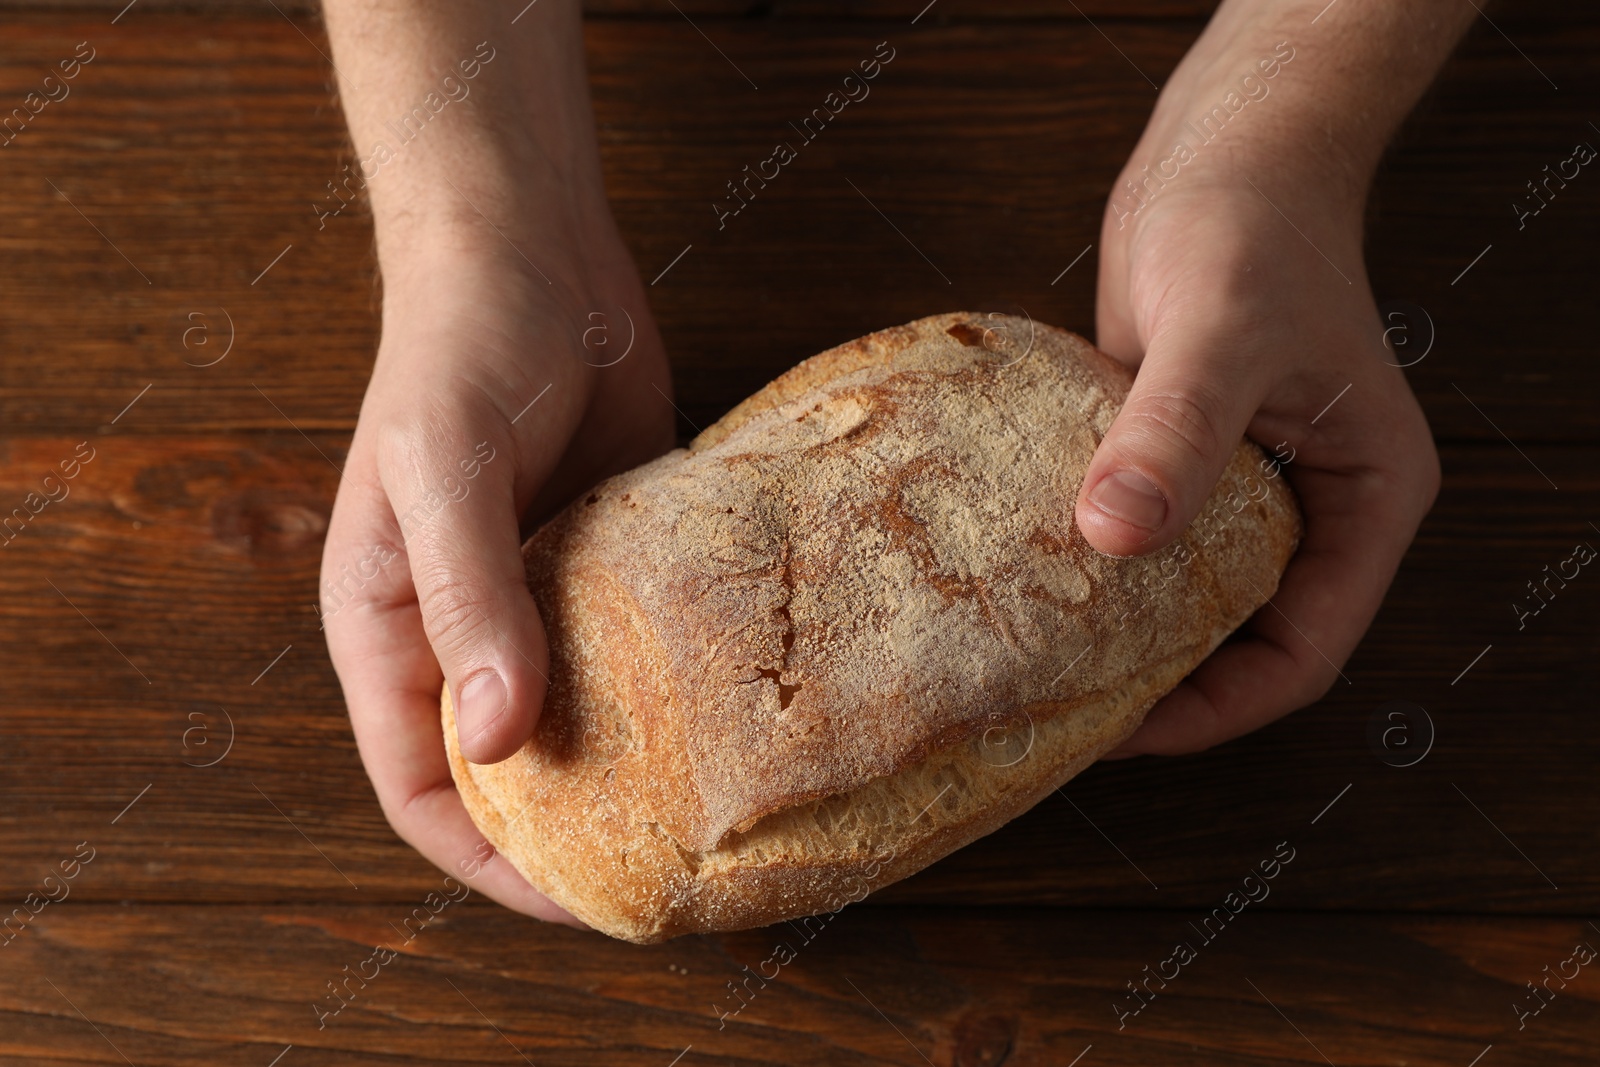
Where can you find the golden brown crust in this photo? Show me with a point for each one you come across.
(851, 629)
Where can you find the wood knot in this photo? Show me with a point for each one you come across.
(984, 1041)
(267, 523)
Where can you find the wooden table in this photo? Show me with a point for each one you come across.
(163, 211)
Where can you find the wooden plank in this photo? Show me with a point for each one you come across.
(165, 599)
(192, 984)
(199, 147)
(193, 562)
(922, 11)
(873, 10)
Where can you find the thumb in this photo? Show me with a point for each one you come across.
(1188, 408)
(454, 500)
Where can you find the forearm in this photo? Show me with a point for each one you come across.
(454, 109)
(1266, 90)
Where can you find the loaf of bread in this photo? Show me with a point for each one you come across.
(850, 629)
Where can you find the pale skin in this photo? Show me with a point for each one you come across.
(496, 245)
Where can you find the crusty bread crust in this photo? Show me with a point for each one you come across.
(852, 628)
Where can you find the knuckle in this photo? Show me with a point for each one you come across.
(1316, 678)
(399, 440)
(1432, 474)
(1183, 421)
(1211, 723)
(409, 815)
(455, 612)
(434, 432)
(1405, 471)
(361, 581)
(1429, 474)
(364, 565)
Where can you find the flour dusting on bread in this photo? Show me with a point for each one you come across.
(780, 658)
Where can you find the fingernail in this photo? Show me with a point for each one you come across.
(480, 702)
(1131, 497)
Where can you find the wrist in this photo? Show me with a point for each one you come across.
(1246, 113)
(462, 125)
(489, 206)
(1296, 97)
(544, 263)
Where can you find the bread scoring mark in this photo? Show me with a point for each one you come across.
(786, 639)
(691, 859)
(840, 417)
(967, 334)
(786, 692)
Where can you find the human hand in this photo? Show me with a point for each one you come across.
(422, 570)
(1237, 289)
(497, 395)
(443, 479)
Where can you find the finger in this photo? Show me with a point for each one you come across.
(391, 684)
(1195, 394)
(1295, 647)
(1114, 329)
(450, 476)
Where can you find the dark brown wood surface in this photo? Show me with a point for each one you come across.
(173, 984)
(166, 603)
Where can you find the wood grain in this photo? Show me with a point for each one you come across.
(1026, 988)
(991, 147)
(875, 10)
(164, 602)
(940, 11)
(195, 557)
